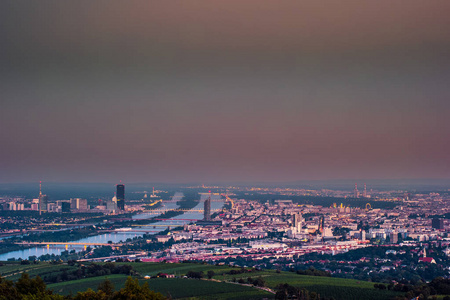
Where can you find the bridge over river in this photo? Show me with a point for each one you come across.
(116, 238)
(67, 244)
(160, 211)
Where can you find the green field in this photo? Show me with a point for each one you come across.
(338, 288)
(74, 286)
(188, 288)
(326, 286)
(12, 271)
(174, 287)
(178, 269)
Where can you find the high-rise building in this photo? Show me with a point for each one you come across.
(207, 209)
(43, 199)
(78, 204)
(51, 207)
(111, 205)
(83, 204)
(355, 192)
(120, 195)
(362, 235)
(65, 206)
(365, 191)
(321, 223)
(437, 223)
(43, 202)
(297, 222)
(393, 237)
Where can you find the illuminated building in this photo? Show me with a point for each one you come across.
(120, 194)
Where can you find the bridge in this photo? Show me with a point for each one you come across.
(66, 244)
(176, 219)
(159, 211)
(151, 225)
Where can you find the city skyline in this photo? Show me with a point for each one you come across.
(224, 92)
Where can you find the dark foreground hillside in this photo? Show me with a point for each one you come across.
(204, 282)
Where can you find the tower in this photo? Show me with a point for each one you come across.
(365, 191)
(43, 200)
(40, 197)
(321, 223)
(120, 195)
(355, 192)
(207, 209)
(298, 222)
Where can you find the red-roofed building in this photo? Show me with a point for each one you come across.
(429, 260)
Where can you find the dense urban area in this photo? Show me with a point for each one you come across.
(396, 239)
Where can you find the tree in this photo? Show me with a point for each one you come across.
(134, 291)
(26, 289)
(259, 282)
(107, 287)
(7, 290)
(91, 295)
(210, 274)
(196, 275)
(286, 291)
(35, 286)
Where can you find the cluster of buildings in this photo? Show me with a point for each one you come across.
(42, 203)
(283, 227)
(287, 229)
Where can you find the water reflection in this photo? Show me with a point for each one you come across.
(122, 236)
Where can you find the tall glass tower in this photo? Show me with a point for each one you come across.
(207, 209)
(120, 195)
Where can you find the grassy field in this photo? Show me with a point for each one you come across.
(326, 286)
(178, 269)
(74, 286)
(346, 289)
(187, 288)
(174, 287)
(12, 271)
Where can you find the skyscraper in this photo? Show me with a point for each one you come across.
(43, 200)
(120, 194)
(321, 223)
(297, 222)
(78, 204)
(355, 192)
(207, 209)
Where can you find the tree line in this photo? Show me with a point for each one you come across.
(27, 288)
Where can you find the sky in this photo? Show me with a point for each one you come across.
(224, 91)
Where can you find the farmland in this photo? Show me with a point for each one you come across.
(223, 286)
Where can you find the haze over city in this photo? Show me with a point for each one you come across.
(224, 91)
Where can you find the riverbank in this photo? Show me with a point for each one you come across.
(137, 226)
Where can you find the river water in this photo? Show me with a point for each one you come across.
(130, 233)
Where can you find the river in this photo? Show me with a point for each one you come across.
(121, 236)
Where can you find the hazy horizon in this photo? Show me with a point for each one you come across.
(235, 91)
